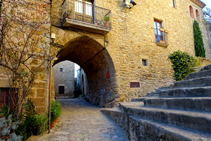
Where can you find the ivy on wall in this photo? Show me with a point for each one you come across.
(198, 40)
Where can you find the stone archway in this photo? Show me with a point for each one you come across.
(98, 66)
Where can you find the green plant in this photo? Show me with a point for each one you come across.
(198, 40)
(107, 18)
(5, 111)
(7, 129)
(32, 123)
(182, 64)
(55, 110)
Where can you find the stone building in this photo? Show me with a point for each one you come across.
(122, 50)
(64, 81)
(82, 81)
(208, 27)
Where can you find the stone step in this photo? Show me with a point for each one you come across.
(199, 121)
(154, 94)
(199, 74)
(115, 114)
(197, 82)
(185, 103)
(188, 92)
(208, 67)
(125, 105)
(144, 130)
(138, 99)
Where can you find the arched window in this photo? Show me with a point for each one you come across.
(198, 16)
(191, 11)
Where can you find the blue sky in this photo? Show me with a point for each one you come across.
(207, 2)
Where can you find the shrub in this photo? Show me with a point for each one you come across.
(55, 110)
(198, 41)
(182, 64)
(8, 127)
(32, 123)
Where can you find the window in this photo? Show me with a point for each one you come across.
(191, 11)
(80, 5)
(174, 3)
(61, 70)
(61, 89)
(198, 16)
(144, 62)
(159, 35)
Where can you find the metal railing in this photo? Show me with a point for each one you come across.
(86, 12)
(160, 36)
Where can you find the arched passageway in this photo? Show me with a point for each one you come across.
(95, 60)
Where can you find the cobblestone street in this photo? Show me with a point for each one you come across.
(81, 121)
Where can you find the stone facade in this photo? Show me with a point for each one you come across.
(132, 39)
(114, 60)
(64, 76)
(25, 14)
(208, 27)
(82, 81)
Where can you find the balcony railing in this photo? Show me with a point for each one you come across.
(85, 15)
(161, 37)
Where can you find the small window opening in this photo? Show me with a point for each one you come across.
(61, 70)
(144, 62)
(61, 89)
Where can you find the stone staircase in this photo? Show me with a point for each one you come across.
(181, 112)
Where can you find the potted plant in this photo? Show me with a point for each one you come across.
(161, 29)
(55, 112)
(70, 15)
(107, 18)
(162, 42)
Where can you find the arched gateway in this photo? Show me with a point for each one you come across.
(98, 66)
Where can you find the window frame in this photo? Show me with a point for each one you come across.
(158, 32)
(174, 3)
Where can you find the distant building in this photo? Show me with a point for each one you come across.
(208, 27)
(82, 81)
(64, 81)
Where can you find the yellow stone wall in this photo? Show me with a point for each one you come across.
(132, 39)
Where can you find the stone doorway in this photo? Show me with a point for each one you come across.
(96, 62)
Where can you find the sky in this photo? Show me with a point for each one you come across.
(207, 2)
(76, 68)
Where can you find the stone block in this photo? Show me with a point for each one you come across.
(39, 101)
(41, 109)
(41, 92)
(38, 84)
(32, 93)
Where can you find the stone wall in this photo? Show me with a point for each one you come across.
(28, 14)
(208, 27)
(132, 39)
(64, 78)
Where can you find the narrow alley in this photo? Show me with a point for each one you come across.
(81, 121)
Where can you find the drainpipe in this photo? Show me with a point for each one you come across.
(49, 99)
